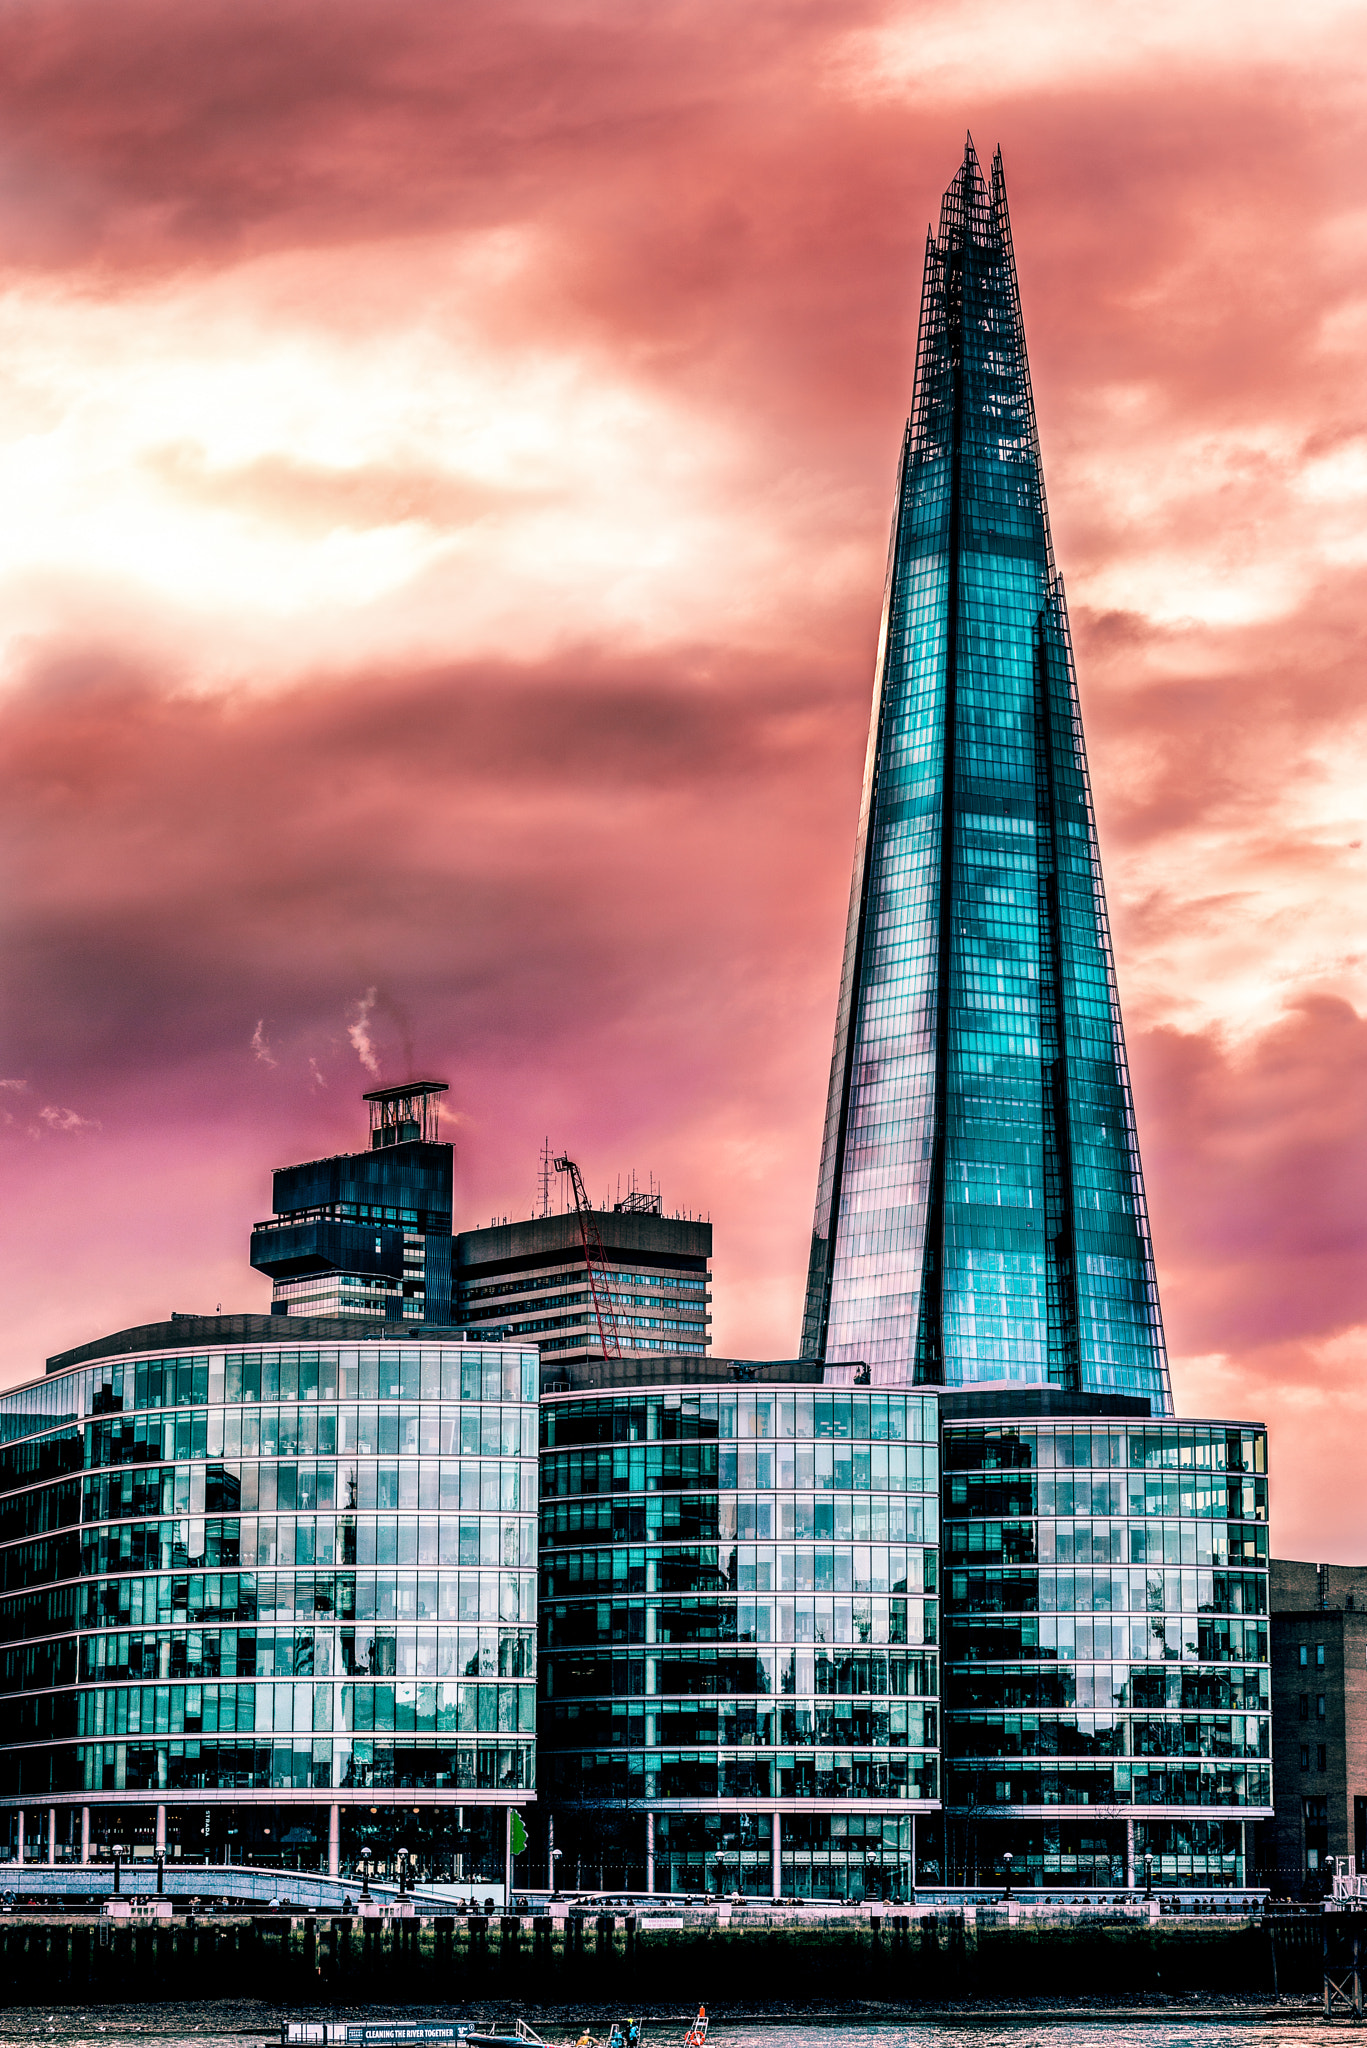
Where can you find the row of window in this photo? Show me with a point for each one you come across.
(741, 1621)
(1171, 1446)
(848, 1722)
(435, 1430)
(467, 1652)
(1196, 1784)
(1199, 1639)
(251, 1543)
(528, 1283)
(229, 1488)
(379, 1709)
(1190, 1543)
(865, 1568)
(695, 1673)
(824, 1467)
(410, 1539)
(638, 1419)
(1151, 1687)
(984, 1735)
(1010, 1591)
(197, 1765)
(165, 1600)
(1056, 1496)
(587, 1777)
(747, 1518)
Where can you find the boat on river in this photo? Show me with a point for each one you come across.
(406, 2034)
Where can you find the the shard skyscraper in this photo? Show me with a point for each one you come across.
(980, 1215)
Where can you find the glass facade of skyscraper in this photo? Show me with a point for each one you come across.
(980, 1212)
(1106, 1682)
(270, 1575)
(740, 1623)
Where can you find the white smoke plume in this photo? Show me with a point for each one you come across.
(261, 1046)
(315, 1070)
(358, 1031)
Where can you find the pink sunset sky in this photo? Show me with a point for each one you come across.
(446, 460)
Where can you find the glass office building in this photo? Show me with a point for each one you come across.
(739, 1628)
(528, 1281)
(1107, 1685)
(980, 1211)
(270, 1596)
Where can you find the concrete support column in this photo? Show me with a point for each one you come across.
(550, 1852)
(508, 1859)
(334, 1841)
(776, 1857)
(1245, 1873)
(650, 1852)
(161, 1831)
(19, 1848)
(52, 1834)
(913, 1855)
(1129, 1855)
(85, 1834)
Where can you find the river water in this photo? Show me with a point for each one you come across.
(250, 2025)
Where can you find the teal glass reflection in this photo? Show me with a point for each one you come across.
(980, 1212)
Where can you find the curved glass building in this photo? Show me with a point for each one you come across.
(739, 1628)
(269, 1594)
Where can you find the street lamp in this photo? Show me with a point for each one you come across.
(365, 1859)
(1148, 1873)
(556, 1855)
(1006, 1859)
(405, 1879)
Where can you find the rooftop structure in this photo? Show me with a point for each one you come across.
(367, 1234)
(404, 1115)
(980, 1213)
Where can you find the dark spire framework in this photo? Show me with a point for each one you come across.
(980, 1213)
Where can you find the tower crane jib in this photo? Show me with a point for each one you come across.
(595, 1262)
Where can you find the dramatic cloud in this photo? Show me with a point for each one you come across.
(445, 464)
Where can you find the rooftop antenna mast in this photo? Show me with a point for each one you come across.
(595, 1262)
(546, 1177)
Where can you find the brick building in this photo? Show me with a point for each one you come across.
(1319, 1718)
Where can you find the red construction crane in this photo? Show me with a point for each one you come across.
(595, 1261)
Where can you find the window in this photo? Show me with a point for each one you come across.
(1305, 1706)
(1305, 1655)
(1321, 1758)
(1316, 1832)
(1305, 1756)
(1319, 1654)
(1319, 1708)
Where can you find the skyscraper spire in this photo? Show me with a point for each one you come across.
(980, 1212)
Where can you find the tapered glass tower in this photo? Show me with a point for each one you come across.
(980, 1214)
